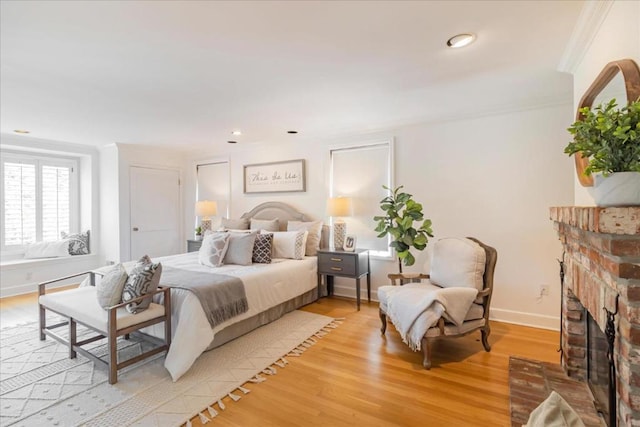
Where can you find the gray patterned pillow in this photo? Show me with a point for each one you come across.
(109, 288)
(213, 248)
(78, 243)
(262, 248)
(143, 279)
(240, 248)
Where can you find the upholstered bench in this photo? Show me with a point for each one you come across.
(80, 306)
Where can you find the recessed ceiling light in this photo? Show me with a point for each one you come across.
(292, 131)
(232, 142)
(236, 132)
(22, 131)
(461, 40)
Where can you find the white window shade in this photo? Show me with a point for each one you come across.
(56, 202)
(214, 184)
(359, 173)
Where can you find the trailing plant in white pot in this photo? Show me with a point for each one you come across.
(609, 137)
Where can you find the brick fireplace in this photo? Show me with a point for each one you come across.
(602, 262)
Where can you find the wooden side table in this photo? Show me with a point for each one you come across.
(193, 245)
(354, 265)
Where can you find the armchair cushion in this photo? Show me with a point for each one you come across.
(458, 262)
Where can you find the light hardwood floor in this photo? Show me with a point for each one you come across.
(355, 376)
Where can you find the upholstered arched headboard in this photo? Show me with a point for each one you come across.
(284, 213)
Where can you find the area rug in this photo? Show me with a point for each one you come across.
(40, 385)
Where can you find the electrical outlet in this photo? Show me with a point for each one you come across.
(544, 290)
(29, 276)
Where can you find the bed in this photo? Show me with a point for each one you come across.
(272, 290)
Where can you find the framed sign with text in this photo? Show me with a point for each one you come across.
(275, 177)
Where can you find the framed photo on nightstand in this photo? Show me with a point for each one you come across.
(350, 243)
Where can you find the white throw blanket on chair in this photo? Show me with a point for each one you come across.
(414, 308)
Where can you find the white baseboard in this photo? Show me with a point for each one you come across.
(500, 315)
(541, 321)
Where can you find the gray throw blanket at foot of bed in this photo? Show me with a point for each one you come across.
(222, 297)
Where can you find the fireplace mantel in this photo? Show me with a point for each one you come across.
(602, 262)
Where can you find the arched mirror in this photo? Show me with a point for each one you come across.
(619, 80)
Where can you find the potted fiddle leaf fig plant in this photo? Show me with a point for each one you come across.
(609, 138)
(401, 212)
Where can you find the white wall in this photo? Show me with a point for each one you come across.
(617, 38)
(491, 177)
(22, 277)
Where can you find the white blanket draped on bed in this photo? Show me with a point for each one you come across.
(414, 308)
(266, 286)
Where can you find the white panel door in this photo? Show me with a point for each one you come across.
(155, 212)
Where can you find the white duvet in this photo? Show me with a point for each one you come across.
(266, 286)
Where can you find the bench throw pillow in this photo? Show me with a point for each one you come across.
(143, 279)
(78, 243)
(213, 249)
(109, 288)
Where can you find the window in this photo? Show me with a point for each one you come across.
(39, 199)
(360, 171)
(213, 184)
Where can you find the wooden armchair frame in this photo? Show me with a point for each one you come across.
(111, 333)
(485, 294)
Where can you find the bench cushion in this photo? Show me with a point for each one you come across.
(82, 305)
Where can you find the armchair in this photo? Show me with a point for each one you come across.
(457, 265)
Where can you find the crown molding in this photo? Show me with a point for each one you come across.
(592, 15)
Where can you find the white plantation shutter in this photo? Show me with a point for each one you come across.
(39, 199)
(56, 188)
(19, 216)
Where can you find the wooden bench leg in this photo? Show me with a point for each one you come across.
(72, 338)
(42, 317)
(112, 341)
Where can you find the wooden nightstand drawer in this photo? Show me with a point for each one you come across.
(337, 264)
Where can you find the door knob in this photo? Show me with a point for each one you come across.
(135, 228)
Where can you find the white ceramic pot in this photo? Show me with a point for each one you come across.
(617, 189)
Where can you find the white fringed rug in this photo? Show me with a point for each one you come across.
(39, 385)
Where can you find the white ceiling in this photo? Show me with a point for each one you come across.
(188, 73)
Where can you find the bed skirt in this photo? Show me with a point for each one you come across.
(245, 326)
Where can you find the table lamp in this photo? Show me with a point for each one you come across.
(338, 207)
(205, 209)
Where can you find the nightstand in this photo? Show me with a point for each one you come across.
(193, 245)
(354, 265)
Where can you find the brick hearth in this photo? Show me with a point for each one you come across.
(602, 260)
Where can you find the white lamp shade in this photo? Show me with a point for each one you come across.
(206, 208)
(339, 206)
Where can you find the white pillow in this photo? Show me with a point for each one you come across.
(313, 238)
(58, 248)
(289, 244)
(213, 249)
(458, 262)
